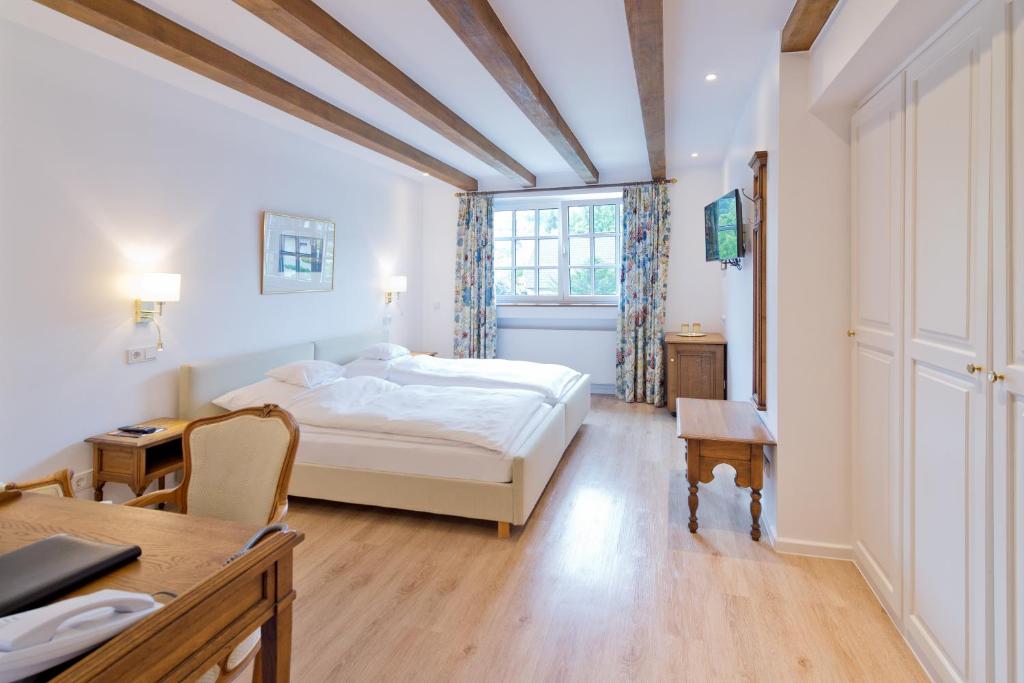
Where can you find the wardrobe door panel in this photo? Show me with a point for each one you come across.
(1007, 376)
(947, 567)
(876, 306)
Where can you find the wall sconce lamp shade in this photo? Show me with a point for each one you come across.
(396, 285)
(153, 291)
(160, 287)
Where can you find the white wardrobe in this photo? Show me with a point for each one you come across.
(938, 346)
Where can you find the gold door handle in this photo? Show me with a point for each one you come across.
(851, 333)
(994, 377)
(972, 368)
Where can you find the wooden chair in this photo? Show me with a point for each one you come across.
(237, 467)
(57, 484)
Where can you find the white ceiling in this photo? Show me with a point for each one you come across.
(579, 50)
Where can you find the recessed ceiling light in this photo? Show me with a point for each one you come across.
(695, 155)
(711, 77)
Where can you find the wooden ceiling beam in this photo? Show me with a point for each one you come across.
(805, 23)
(476, 24)
(320, 33)
(646, 35)
(157, 34)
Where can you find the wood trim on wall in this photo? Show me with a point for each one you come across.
(155, 33)
(480, 29)
(759, 256)
(646, 36)
(805, 23)
(310, 26)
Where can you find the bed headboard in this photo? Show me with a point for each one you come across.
(345, 349)
(200, 383)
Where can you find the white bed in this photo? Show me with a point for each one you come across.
(573, 394)
(408, 472)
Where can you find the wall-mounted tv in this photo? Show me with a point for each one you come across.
(723, 229)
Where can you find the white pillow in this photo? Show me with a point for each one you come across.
(255, 395)
(384, 351)
(308, 373)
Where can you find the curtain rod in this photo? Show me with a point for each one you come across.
(573, 187)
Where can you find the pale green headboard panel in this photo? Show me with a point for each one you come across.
(346, 348)
(200, 383)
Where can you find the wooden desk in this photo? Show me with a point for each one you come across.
(216, 608)
(137, 461)
(729, 432)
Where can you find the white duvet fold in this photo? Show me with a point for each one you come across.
(548, 379)
(492, 419)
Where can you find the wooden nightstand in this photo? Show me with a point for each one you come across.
(137, 461)
(423, 353)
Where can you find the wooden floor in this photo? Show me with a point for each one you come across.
(604, 583)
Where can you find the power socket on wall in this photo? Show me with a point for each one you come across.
(141, 354)
(82, 481)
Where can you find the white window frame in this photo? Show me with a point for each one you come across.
(563, 298)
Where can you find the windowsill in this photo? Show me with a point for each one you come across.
(557, 304)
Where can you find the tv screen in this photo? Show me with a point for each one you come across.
(723, 225)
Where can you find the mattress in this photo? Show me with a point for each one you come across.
(407, 455)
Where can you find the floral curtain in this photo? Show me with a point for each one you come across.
(476, 316)
(643, 284)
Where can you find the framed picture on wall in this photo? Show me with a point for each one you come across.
(296, 255)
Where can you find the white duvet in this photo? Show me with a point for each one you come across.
(487, 418)
(550, 380)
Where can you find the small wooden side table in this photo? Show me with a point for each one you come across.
(137, 461)
(729, 432)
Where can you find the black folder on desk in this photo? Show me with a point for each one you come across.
(38, 572)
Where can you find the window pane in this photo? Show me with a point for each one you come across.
(502, 282)
(549, 252)
(579, 220)
(605, 281)
(604, 250)
(549, 282)
(526, 252)
(502, 223)
(550, 223)
(502, 253)
(526, 282)
(526, 223)
(579, 251)
(604, 218)
(579, 281)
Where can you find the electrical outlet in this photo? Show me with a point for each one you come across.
(141, 354)
(82, 481)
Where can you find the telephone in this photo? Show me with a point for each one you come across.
(38, 639)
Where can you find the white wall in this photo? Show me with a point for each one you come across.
(812, 268)
(106, 172)
(694, 288)
(757, 129)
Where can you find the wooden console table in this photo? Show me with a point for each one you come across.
(729, 432)
(216, 605)
(137, 461)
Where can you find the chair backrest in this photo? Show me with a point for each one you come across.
(238, 465)
(57, 484)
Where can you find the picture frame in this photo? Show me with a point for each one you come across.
(296, 254)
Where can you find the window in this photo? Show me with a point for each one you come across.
(551, 252)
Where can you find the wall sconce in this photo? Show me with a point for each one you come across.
(396, 285)
(155, 289)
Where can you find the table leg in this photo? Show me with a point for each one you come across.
(97, 490)
(755, 514)
(756, 484)
(274, 660)
(691, 476)
(160, 487)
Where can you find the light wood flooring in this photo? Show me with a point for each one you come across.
(604, 583)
